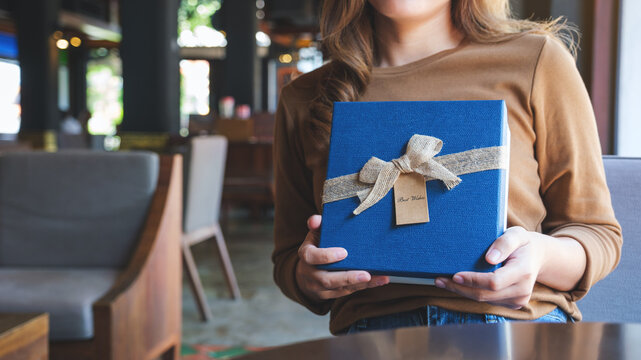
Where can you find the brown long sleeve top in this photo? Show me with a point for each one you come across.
(556, 187)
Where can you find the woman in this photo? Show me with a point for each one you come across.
(562, 236)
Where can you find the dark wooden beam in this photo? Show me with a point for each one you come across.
(38, 57)
(151, 82)
(241, 61)
(597, 21)
(604, 69)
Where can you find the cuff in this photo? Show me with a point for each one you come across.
(601, 251)
(290, 288)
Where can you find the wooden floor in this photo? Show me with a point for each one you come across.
(264, 317)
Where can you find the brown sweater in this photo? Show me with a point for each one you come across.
(557, 183)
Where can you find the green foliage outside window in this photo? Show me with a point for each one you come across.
(193, 13)
(104, 92)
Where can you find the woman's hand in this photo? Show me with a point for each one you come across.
(321, 285)
(511, 285)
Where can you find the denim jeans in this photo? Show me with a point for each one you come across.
(433, 315)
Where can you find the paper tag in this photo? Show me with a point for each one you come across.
(410, 199)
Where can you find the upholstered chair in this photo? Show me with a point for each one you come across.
(616, 298)
(93, 239)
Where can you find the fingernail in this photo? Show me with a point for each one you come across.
(362, 278)
(494, 255)
(380, 282)
(340, 254)
(458, 279)
(439, 283)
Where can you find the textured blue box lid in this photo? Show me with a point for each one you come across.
(464, 221)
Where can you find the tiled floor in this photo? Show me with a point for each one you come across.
(264, 316)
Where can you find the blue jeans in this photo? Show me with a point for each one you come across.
(433, 315)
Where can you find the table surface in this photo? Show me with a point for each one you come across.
(510, 340)
(23, 336)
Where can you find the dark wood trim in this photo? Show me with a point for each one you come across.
(604, 73)
(94, 44)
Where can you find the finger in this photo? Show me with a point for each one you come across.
(378, 280)
(312, 237)
(483, 281)
(514, 291)
(506, 244)
(502, 278)
(336, 280)
(313, 255)
(347, 290)
(314, 222)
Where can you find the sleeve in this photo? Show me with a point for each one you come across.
(294, 204)
(573, 186)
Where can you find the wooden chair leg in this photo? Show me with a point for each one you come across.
(230, 276)
(172, 354)
(195, 284)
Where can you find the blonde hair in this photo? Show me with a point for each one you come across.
(347, 29)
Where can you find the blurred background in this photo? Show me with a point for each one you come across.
(159, 70)
(115, 75)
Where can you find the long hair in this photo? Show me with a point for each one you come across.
(347, 30)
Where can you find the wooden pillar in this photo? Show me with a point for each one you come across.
(77, 62)
(526, 9)
(577, 12)
(38, 57)
(604, 69)
(581, 14)
(597, 21)
(216, 84)
(150, 70)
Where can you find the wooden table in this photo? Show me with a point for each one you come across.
(498, 341)
(24, 336)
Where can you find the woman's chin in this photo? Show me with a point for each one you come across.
(409, 10)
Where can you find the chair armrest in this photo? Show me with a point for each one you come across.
(140, 316)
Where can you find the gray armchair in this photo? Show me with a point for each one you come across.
(91, 239)
(616, 298)
(204, 174)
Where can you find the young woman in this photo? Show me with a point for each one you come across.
(562, 235)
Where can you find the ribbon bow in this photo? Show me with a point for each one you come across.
(419, 158)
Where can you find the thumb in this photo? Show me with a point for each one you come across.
(506, 244)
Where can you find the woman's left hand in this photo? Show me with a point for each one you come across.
(512, 284)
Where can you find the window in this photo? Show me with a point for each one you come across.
(104, 91)
(194, 88)
(9, 97)
(628, 108)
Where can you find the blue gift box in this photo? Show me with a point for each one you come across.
(464, 221)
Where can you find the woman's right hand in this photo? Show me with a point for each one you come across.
(321, 285)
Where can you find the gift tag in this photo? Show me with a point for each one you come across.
(410, 199)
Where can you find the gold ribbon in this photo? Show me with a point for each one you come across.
(377, 177)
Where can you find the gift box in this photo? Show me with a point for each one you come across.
(458, 149)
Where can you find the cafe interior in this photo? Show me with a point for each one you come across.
(137, 191)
